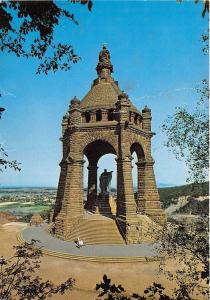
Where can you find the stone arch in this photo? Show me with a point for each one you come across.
(136, 147)
(87, 138)
(138, 150)
(94, 151)
(110, 115)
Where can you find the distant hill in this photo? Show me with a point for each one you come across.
(170, 195)
(195, 207)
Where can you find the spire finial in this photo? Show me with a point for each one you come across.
(104, 67)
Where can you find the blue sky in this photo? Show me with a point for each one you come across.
(157, 55)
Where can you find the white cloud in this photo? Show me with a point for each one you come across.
(166, 93)
(5, 93)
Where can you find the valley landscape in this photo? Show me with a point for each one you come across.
(192, 199)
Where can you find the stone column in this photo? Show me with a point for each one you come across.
(140, 172)
(93, 116)
(83, 118)
(104, 115)
(75, 112)
(72, 206)
(132, 117)
(146, 121)
(65, 123)
(60, 192)
(126, 205)
(92, 186)
(139, 121)
(148, 196)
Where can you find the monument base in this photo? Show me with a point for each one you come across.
(140, 229)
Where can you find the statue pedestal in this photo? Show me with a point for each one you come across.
(102, 205)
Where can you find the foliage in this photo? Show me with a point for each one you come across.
(205, 40)
(18, 280)
(195, 207)
(170, 195)
(117, 292)
(187, 136)
(111, 290)
(4, 163)
(27, 29)
(187, 246)
(46, 214)
(25, 218)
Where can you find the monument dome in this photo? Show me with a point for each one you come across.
(104, 90)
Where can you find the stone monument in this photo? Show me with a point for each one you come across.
(105, 121)
(105, 181)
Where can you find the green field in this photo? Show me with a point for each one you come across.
(21, 209)
(16, 204)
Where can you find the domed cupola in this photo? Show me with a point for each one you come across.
(100, 102)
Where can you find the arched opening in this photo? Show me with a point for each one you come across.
(110, 115)
(98, 115)
(136, 119)
(85, 179)
(135, 174)
(137, 153)
(136, 147)
(108, 164)
(87, 117)
(97, 200)
(130, 114)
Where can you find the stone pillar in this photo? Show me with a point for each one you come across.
(140, 170)
(83, 118)
(75, 112)
(92, 186)
(72, 205)
(93, 116)
(123, 108)
(141, 123)
(146, 122)
(139, 120)
(60, 191)
(126, 205)
(65, 123)
(104, 115)
(148, 196)
(132, 117)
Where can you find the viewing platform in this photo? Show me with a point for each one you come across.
(100, 252)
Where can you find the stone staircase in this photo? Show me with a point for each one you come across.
(104, 205)
(96, 230)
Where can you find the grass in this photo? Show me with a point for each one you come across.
(21, 209)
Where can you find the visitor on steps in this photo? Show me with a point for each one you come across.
(79, 243)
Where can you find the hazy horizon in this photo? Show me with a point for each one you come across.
(55, 187)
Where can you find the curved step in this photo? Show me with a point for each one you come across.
(97, 231)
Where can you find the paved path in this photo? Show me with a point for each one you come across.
(49, 242)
